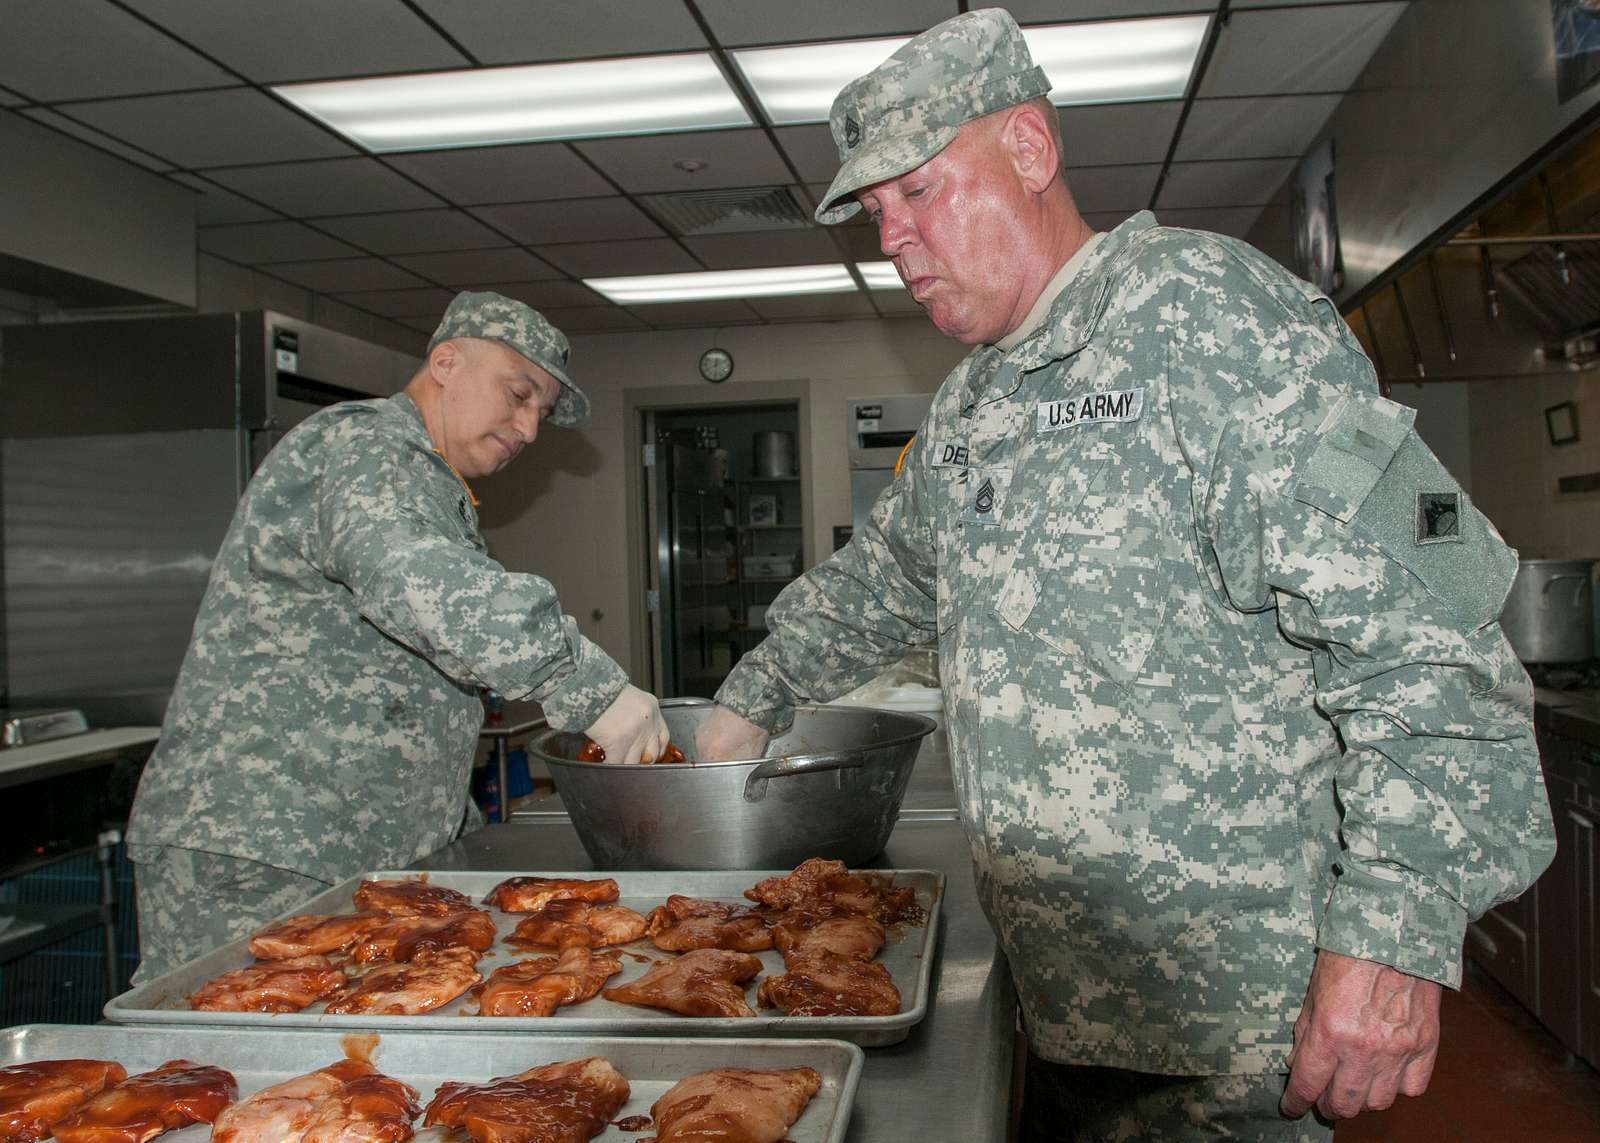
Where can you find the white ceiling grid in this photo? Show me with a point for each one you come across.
(181, 87)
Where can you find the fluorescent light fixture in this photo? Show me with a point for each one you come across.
(482, 106)
(880, 275)
(774, 282)
(1106, 61)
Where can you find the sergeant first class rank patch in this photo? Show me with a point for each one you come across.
(1091, 409)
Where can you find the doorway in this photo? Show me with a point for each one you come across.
(724, 513)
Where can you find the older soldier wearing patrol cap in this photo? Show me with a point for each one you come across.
(327, 712)
(1238, 742)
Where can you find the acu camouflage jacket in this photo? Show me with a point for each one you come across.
(1221, 661)
(327, 711)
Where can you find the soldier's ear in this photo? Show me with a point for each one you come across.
(1030, 147)
(444, 361)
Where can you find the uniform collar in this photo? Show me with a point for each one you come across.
(1046, 300)
(407, 406)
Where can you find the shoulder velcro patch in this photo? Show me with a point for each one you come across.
(1360, 439)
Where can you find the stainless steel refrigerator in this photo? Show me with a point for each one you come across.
(124, 446)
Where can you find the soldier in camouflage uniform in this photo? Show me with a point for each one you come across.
(1238, 744)
(327, 713)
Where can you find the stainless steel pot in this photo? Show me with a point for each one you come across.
(1549, 615)
(830, 787)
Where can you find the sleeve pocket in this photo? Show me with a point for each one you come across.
(1357, 443)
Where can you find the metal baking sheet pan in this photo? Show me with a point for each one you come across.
(908, 956)
(269, 1056)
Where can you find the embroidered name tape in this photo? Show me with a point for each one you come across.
(1091, 409)
(950, 454)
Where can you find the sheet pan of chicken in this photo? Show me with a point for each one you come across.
(890, 917)
(311, 1085)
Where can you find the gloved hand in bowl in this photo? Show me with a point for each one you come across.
(631, 729)
(725, 736)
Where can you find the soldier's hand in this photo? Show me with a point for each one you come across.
(725, 736)
(631, 729)
(1366, 1033)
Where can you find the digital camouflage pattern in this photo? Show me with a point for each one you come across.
(327, 712)
(908, 109)
(192, 902)
(1188, 605)
(495, 317)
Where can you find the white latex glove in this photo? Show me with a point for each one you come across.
(725, 737)
(631, 730)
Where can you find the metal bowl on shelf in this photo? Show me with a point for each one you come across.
(830, 786)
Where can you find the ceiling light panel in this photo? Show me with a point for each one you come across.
(828, 278)
(583, 100)
(880, 275)
(1112, 61)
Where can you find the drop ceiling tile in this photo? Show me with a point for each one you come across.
(643, 164)
(420, 324)
(814, 307)
(583, 220)
(1118, 133)
(263, 242)
(515, 31)
(1234, 182)
(861, 243)
(307, 39)
(552, 295)
(810, 148)
(682, 315)
(1113, 188)
(413, 231)
(214, 206)
(53, 50)
(1264, 127)
(471, 269)
(1054, 11)
(1232, 220)
(10, 98)
(1108, 220)
(619, 259)
(1288, 50)
(94, 138)
(594, 319)
(346, 275)
(768, 248)
(328, 186)
(896, 302)
(426, 303)
(741, 22)
(530, 172)
(212, 128)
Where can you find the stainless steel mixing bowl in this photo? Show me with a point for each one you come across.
(830, 787)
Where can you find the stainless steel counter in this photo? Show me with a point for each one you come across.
(951, 1078)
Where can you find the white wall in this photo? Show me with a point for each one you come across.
(1444, 422)
(562, 510)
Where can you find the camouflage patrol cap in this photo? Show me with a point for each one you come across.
(496, 317)
(907, 109)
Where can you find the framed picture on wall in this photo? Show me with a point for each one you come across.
(1561, 421)
(1315, 220)
(1577, 34)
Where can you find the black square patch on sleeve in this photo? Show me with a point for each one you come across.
(1438, 517)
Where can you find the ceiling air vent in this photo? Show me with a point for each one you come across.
(731, 211)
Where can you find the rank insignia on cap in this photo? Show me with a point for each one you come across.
(1438, 517)
(852, 131)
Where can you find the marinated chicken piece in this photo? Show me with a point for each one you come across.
(33, 1096)
(402, 938)
(827, 888)
(141, 1107)
(270, 986)
(432, 978)
(409, 897)
(346, 1102)
(569, 924)
(799, 935)
(590, 752)
(313, 935)
(685, 923)
(734, 1105)
(705, 982)
(827, 983)
(537, 987)
(530, 894)
(567, 1102)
